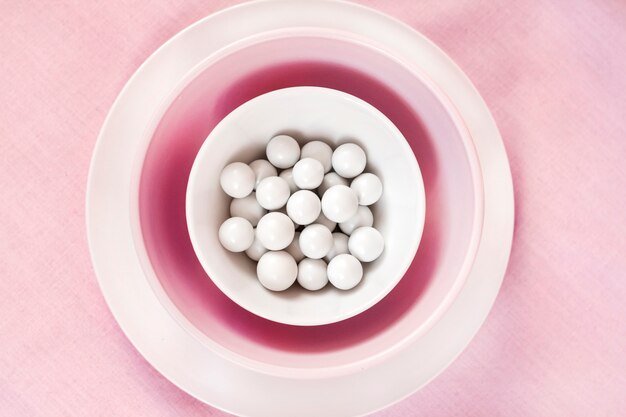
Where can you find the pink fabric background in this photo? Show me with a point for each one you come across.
(554, 75)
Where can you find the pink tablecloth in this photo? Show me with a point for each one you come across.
(554, 75)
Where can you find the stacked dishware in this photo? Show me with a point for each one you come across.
(216, 94)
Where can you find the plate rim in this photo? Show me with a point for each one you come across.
(504, 183)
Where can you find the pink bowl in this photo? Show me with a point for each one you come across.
(436, 135)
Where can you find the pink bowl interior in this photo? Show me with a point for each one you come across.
(353, 68)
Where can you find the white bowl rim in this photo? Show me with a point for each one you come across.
(408, 253)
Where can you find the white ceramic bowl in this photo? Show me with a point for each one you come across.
(431, 125)
(307, 113)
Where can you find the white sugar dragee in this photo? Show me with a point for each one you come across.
(363, 217)
(272, 193)
(339, 203)
(237, 180)
(304, 207)
(330, 179)
(236, 234)
(312, 274)
(345, 271)
(323, 220)
(368, 188)
(256, 250)
(308, 173)
(275, 231)
(315, 241)
(340, 245)
(277, 271)
(248, 208)
(283, 151)
(319, 150)
(262, 169)
(287, 175)
(366, 244)
(294, 248)
(349, 160)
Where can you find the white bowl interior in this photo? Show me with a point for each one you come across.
(307, 113)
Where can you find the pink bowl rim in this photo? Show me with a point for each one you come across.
(291, 371)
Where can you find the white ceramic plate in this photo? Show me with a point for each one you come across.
(121, 267)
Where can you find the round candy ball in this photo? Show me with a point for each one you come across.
(319, 150)
(312, 274)
(248, 208)
(368, 188)
(340, 245)
(304, 207)
(236, 234)
(287, 175)
(272, 193)
(344, 271)
(283, 210)
(362, 218)
(315, 241)
(330, 179)
(349, 160)
(339, 203)
(237, 179)
(323, 220)
(277, 271)
(366, 244)
(294, 248)
(308, 173)
(275, 231)
(262, 169)
(256, 250)
(283, 151)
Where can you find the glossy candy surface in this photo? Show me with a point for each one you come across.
(283, 151)
(339, 203)
(236, 234)
(349, 160)
(345, 271)
(237, 179)
(275, 231)
(277, 271)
